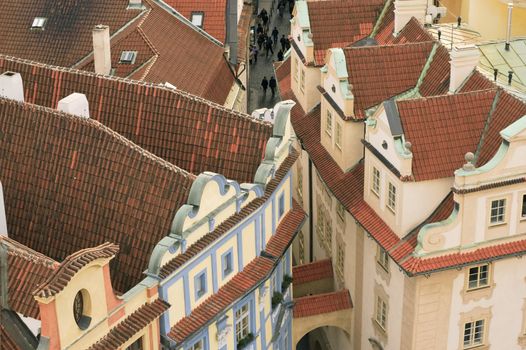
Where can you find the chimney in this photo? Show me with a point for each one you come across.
(11, 86)
(464, 59)
(405, 9)
(231, 30)
(101, 49)
(508, 30)
(76, 104)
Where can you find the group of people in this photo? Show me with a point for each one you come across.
(272, 84)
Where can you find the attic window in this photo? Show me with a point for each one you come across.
(39, 23)
(128, 57)
(197, 19)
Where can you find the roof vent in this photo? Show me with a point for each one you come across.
(11, 86)
(135, 4)
(128, 57)
(39, 23)
(76, 104)
(197, 19)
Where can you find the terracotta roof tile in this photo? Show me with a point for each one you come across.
(168, 49)
(314, 271)
(187, 131)
(413, 32)
(477, 81)
(319, 304)
(92, 180)
(26, 270)
(378, 73)
(132, 324)
(436, 80)
(214, 20)
(384, 33)
(442, 129)
(339, 23)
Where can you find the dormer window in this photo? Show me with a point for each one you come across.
(39, 23)
(128, 57)
(197, 19)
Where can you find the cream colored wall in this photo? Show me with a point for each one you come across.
(490, 18)
(175, 298)
(230, 244)
(204, 265)
(302, 165)
(249, 243)
(310, 97)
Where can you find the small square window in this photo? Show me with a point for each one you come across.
(281, 205)
(391, 197)
(227, 264)
(523, 211)
(478, 276)
(473, 333)
(498, 209)
(200, 285)
(197, 19)
(39, 23)
(128, 57)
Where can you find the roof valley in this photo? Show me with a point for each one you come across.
(487, 124)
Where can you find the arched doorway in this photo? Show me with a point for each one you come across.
(324, 338)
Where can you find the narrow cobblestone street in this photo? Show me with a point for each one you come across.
(264, 65)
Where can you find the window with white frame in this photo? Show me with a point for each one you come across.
(227, 264)
(296, 68)
(302, 79)
(523, 210)
(200, 284)
(38, 23)
(301, 248)
(498, 211)
(478, 276)
(242, 322)
(473, 333)
(383, 258)
(381, 312)
(197, 19)
(128, 57)
(328, 123)
(300, 184)
(338, 136)
(199, 345)
(340, 260)
(391, 197)
(375, 181)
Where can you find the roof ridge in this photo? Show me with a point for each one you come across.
(16, 248)
(96, 124)
(459, 94)
(177, 91)
(390, 45)
(380, 19)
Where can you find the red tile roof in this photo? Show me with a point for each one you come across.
(436, 80)
(251, 276)
(99, 186)
(172, 265)
(71, 265)
(384, 32)
(378, 73)
(214, 19)
(319, 304)
(139, 319)
(339, 23)
(413, 31)
(477, 81)
(168, 49)
(314, 271)
(445, 125)
(282, 73)
(26, 270)
(187, 131)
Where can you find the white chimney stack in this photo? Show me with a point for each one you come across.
(464, 59)
(405, 9)
(508, 29)
(76, 104)
(11, 86)
(101, 49)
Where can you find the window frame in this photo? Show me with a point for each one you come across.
(39, 23)
(133, 54)
(197, 14)
(478, 272)
(391, 205)
(340, 211)
(340, 261)
(328, 123)
(281, 205)
(381, 312)
(200, 279)
(523, 207)
(296, 69)
(302, 80)
(472, 334)
(202, 341)
(338, 135)
(375, 175)
(239, 320)
(501, 215)
(382, 258)
(226, 272)
(328, 234)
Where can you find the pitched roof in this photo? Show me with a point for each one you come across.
(339, 23)
(71, 183)
(282, 73)
(444, 125)
(139, 319)
(214, 14)
(378, 73)
(319, 304)
(413, 31)
(26, 269)
(252, 274)
(185, 130)
(314, 271)
(168, 49)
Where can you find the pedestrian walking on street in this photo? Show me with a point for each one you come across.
(254, 55)
(273, 84)
(259, 29)
(268, 47)
(264, 85)
(280, 55)
(281, 8)
(261, 40)
(275, 34)
(283, 41)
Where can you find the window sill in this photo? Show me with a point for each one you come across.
(477, 347)
(375, 193)
(391, 209)
(477, 293)
(496, 224)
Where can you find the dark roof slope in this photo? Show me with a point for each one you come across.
(168, 49)
(187, 131)
(71, 183)
(339, 23)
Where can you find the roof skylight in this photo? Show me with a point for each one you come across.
(128, 57)
(197, 19)
(39, 23)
